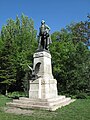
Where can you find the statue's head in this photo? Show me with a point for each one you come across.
(42, 22)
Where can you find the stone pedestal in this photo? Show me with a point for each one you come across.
(43, 91)
(45, 86)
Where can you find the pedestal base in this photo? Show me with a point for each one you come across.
(46, 104)
(43, 88)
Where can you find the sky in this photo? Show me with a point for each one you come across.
(56, 13)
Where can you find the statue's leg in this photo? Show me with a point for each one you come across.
(47, 43)
(44, 44)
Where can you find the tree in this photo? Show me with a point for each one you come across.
(7, 69)
(80, 31)
(70, 63)
(19, 43)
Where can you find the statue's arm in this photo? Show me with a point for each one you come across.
(39, 31)
(47, 27)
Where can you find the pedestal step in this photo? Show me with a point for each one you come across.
(47, 104)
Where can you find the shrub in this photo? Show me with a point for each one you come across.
(16, 95)
(81, 96)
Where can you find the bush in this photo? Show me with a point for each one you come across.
(16, 95)
(82, 96)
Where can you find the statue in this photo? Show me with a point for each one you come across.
(34, 72)
(44, 37)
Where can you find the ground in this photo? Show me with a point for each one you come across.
(79, 110)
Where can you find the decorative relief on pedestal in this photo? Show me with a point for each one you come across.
(42, 61)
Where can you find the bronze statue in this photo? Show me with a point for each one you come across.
(44, 37)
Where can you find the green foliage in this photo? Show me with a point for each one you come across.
(80, 31)
(18, 43)
(82, 96)
(70, 64)
(7, 69)
(16, 94)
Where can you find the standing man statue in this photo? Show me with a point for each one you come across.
(44, 37)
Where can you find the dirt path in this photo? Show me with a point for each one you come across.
(18, 111)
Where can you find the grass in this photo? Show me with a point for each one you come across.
(79, 110)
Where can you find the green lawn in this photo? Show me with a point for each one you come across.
(79, 110)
